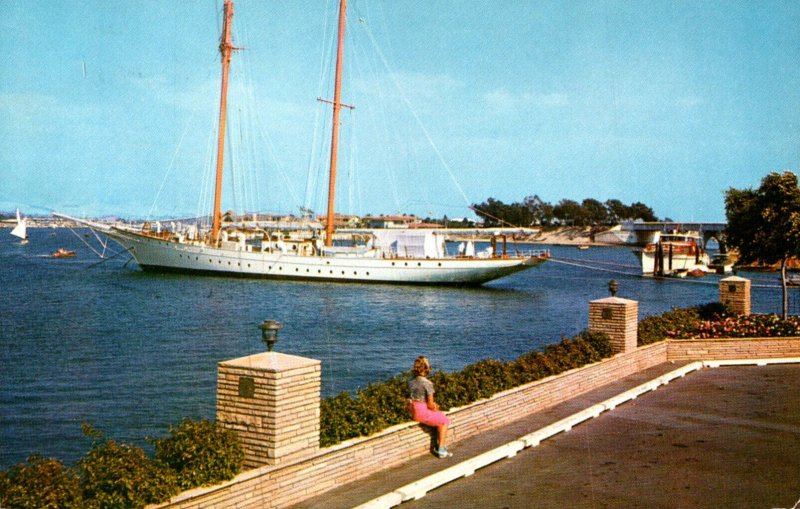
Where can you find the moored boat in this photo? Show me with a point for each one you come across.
(673, 254)
(310, 254)
(62, 253)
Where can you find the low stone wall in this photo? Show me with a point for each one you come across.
(281, 486)
(726, 349)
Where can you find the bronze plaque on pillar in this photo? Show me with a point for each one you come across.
(247, 387)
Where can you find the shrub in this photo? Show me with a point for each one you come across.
(679, 322)
(381, 405)
(200, 452)
(42, 483)
(117, 475)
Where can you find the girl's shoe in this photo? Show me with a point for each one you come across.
(442, 452)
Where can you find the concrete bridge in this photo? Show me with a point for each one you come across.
(645, 231)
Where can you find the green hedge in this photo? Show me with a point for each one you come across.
(380, 405)
(200, 452)
(116, 475)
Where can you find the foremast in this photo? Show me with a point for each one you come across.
(226, 49)
(337, 107)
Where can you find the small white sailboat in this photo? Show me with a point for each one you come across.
(21, 229)
(411, 257)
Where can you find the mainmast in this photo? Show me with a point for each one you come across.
(226, 50)
(337, 106)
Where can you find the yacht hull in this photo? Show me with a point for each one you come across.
(153, 254)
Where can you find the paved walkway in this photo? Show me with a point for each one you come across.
(721, 437)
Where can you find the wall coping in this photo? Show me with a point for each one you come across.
(733, 340)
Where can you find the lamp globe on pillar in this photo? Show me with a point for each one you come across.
(269, 332)
(613, 287)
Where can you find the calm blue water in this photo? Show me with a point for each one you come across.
(132, 353)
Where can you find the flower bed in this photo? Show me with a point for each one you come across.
(713, 321)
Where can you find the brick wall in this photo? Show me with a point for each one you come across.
(281, 486)
(726, 349)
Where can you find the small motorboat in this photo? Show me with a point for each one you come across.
(63, 253)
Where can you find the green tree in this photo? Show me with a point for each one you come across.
(641, 211)
(569, 212)
(764, 223)
(594, 212)
(541, 211)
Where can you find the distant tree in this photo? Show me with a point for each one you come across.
(541, 211)
(617, 211)
(495, 213)
(535, 211)
(569, 212)
(594, 212)
(764, 224)
(641, 211)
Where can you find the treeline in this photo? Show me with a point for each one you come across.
(533, 211)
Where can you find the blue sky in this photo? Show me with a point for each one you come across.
(109, 107)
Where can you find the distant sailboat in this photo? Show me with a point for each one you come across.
(21, 230)
(388, 256)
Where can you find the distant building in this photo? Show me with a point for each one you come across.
(341, 221)
(390, 221)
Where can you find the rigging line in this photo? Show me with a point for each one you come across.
(601, 262)
(414, 114)
(601, 269)
(171, 164)
(383, 126)
(476, 209)
(104, 260)
(95, 251)
(313, 156)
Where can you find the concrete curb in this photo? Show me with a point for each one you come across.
(420, 488)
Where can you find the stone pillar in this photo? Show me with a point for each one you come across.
(619, 318)
(272, 402)
(734, 292)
